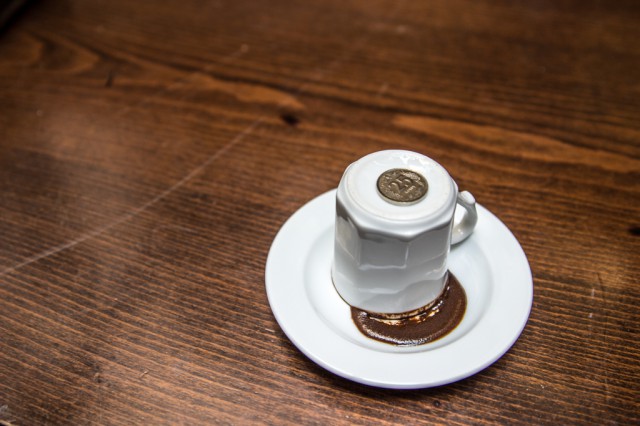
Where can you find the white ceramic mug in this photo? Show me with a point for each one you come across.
(391, 253)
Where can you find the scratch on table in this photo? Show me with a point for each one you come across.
(135, 212)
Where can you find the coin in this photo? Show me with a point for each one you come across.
(402, 185)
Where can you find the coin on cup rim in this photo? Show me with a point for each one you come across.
(402, 186)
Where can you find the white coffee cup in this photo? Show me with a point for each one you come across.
(391, 250)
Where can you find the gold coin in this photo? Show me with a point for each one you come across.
(402, 185)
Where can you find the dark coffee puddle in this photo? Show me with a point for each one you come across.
(425, 326)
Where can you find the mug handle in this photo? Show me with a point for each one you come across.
(463, 227)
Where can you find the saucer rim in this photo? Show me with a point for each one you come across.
(286, 318)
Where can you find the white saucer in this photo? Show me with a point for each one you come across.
(490, 265)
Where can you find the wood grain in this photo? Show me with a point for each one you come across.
(150, 151)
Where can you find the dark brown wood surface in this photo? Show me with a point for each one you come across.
(151, 150)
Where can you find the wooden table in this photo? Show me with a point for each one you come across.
(150, 151)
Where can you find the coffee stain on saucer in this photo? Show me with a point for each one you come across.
(421, 326)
